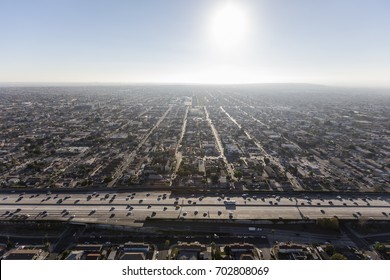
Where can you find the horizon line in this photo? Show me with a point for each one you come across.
(92, 84)
(70, 84)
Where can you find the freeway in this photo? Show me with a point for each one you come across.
(132, 209)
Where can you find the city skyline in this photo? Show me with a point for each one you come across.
(196, 42)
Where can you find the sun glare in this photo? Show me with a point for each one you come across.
(229, 26)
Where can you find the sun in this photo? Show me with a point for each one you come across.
(229, 26)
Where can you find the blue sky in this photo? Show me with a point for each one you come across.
(342, 42)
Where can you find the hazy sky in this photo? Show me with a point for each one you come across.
(199, 41)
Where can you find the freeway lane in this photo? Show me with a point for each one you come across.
(133, 208)
(237, 205)
(120, 215)
(168, 198)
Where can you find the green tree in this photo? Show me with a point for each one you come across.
(10, 244)
(329, 249)
(213, 250)
(379, 247)
(217, 254)
(238, 174)
(174, 252)
(338, 256)
(166, 244)
(328, 223)
(227, 250)
(65, 254)
(107, 179)
(378, 189)
(47, 246)
(215, 179)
